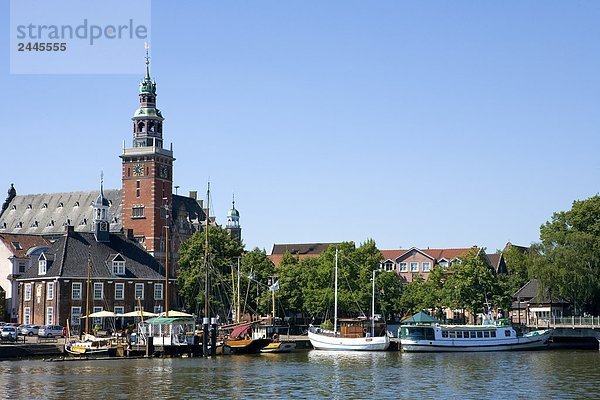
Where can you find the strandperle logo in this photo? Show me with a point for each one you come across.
(85, 31)
(78, 36)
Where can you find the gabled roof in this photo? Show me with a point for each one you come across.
(437, 254)
(301, 250)
(71, 258)
(20, 244)
(496, 261)
(530, 293)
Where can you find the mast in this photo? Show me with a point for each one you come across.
(238, 310)
(87, 295)
(373, 307)
(206, 305)
(167, 269)
(335, 303)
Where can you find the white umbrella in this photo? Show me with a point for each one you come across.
(175, 313)
(138, 314)
(101, 314)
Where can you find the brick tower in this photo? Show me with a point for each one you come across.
(147, 174)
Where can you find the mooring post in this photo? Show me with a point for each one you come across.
(213, 337)
(205, 337)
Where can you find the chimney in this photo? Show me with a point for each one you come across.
(194, 194)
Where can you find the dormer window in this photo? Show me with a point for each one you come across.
(42, 267)
(60, 205)
(13, 208)
(51, 223)
(44, 206)
(17, 245)
(76, 204)
(83, 222)
(19, 225)
(118, 265)
(28, 207)
(34, 224)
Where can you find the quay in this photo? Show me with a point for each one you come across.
(571, 330)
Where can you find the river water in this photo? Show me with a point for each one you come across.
(554, 374)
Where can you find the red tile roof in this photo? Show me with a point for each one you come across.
(19, 244)
(437, 254)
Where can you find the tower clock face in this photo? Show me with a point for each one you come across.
(164, 171)
(138, 169)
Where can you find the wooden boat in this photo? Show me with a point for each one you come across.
(240, 341)
(91, 345)
(352, 336)
(465, 338)
(279, 347)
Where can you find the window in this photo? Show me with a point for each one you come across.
(119, 291)
(403, 267)
(118, 266)
(98, 291)
(21, 267)
(27, 291)
(97, 321)
(158, 309)
(444, 334)
(139, 291)
(137, 188)
(426, 265)
(388, 266)
(27, 315)
(507, 333)
(486, 334)
(119, 310)
(137, 211)
(452, 334)
(42, 267)
(479, 334)
(50, 291)
(50, 316)
(76, 291)
(493, 333)
(75, 316)
(16, 245)
(158, 291)
(459, 334)
(414, 266)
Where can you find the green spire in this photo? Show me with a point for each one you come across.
(147, 85)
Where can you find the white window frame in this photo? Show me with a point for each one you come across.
(49, 315)
(122, 291)
(139, 285)
(414, 266)
(424, 264)
(74, 291)
(28, 292)
(99, 285)
(119, 310)
(76, 315)
(26, 315)
(159, 289)
(42, 267)
(50, 291)
(403, 266)
(118, 267)
(389, 266)
(97, 321)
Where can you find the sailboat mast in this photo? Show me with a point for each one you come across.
(87, 296)
(167, 270)
(206, 252)
(373, 307)
(335, 302)
(238, 310)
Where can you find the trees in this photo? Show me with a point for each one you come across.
(191, 276)
(568, 258)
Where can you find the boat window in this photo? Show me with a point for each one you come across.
(493, 333)
(479, 334)
(418, 333)
(486, 334)
(452, 334)
(444, 334)
(473, 334)
(507, 332)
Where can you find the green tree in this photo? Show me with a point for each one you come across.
(256, 268)
(223, 253)
(567, 263)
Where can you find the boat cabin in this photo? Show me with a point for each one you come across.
(456, 332)
(172, 331)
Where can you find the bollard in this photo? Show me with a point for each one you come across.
(213, 338)
(205, 337)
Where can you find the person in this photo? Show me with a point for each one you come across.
(128, 349)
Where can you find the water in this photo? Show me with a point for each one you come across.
(315, 374)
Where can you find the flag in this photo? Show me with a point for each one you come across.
(274, 286)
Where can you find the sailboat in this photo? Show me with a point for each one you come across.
(351, 336)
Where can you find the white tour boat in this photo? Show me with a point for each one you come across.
(488, 337)
(352, 335)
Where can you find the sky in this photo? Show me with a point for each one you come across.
(429, 124)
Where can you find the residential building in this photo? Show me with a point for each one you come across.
(300, 250)
(16, 255)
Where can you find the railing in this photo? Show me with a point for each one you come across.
(566, 322)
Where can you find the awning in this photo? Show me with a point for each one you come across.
(101, 314)
(240, 331)
(138, 314)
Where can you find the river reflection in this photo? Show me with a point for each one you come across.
(313, 374)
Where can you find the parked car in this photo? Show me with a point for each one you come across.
(29, 330)
(51, 331)
(9, 333)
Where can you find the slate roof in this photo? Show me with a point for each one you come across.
(71, 251)
(529, 293)
(25, 243)
(190, 205)
(496, 260)
(49, 213)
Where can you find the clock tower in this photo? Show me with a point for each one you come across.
(147, 174)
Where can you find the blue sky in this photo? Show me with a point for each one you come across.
(428, 124)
